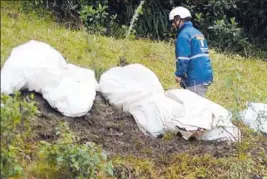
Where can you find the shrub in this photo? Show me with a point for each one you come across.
(252, 16)
(227, 36)
(212, 17)
(154, 21)
(16, 114)
(94, 18)
(81, 160)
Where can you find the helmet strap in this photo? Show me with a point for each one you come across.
(179, 23)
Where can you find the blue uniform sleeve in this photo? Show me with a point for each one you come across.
(183, 52)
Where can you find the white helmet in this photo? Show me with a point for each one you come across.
(179, 11)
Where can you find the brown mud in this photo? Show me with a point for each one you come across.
(118, 133)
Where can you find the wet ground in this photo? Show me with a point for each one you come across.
(118, 133)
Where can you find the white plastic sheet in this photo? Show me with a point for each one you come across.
(135, 89)
(27, 60)
(36, 66)
(123, 86)
(211, 118)
(138, 91)
(255, 116)
(74, 93)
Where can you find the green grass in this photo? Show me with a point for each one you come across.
(236, 80)
(92, 51)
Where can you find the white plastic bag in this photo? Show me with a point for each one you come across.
(74, 94)
(26, 61)
(157, 114)
(255, 116)
(200, 112)
(212, 119)
(123, 86)
(138, 91)
(36, 66)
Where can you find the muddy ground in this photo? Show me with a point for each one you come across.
(118, 133)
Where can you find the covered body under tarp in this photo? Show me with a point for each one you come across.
(137, 90)
(36, 66)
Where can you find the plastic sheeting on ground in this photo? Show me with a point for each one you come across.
(213, 121)
(36, 66)
(125, 85)
(255, 116)
(138, 91)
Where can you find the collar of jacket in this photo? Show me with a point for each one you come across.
(185, 25)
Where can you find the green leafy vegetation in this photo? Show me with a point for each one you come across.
(79, 160)
(216, 19)
(16, 116)
(231, 72)
(237, 80)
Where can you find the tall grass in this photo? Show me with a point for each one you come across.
(78, 47)
(236, 80)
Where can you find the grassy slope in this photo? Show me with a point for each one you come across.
(102, 53)
(88, 50)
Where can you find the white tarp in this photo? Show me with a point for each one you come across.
(36, 66)
(125, 85)
(255, 116)
(213, 119)
(138, 91)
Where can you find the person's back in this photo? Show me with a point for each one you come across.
(192, 54)
(193, 66)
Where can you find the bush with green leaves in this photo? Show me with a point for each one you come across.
(228, 36)
(252, 16)
(220, 28)
(154, 21)
(16, 115)
(250, 19)
(94, 18)
(80, 160)
(208, 16)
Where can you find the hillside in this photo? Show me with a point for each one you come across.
(237, 80)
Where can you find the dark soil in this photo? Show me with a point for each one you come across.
(118, 133)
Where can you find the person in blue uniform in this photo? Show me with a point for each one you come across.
(193, 65)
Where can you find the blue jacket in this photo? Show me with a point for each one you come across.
(192, 56)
